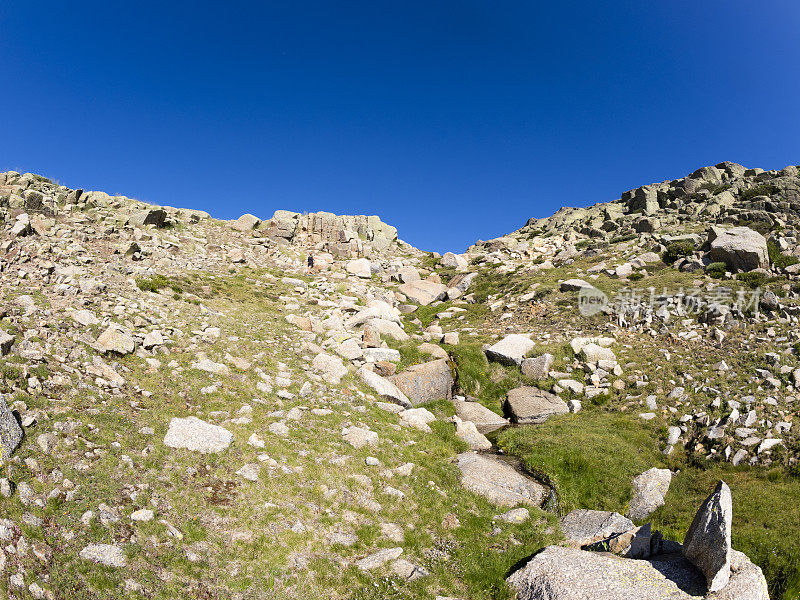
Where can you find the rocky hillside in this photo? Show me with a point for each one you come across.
(189, 411)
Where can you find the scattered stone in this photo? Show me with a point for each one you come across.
(197, 435)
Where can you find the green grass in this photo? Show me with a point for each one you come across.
(778, 258)
(154, 283)
(592, 456)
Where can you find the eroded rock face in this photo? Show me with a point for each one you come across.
(708, 541)
(499, 482)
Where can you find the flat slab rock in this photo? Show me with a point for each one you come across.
(558, 573)
(583, 527)
(424, 292)
(531, 405)
(485, 420)
(499, 482)
(197, 435)
(510, 350)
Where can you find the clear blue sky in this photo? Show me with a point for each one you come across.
(453, 121)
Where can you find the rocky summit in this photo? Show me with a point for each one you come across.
(599, 405)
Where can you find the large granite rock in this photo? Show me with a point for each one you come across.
(510, 350)
(649, 490)
(148, 216)
(245, 223)
(531, 405)
(116, 339)
(10, 432)
(423, 291)
(197, 435)
(708, 541)
(741, 248)
(575, 285)
(485, 420)
(384, 388)
(583, 527)
(425, 382)
(537, 368)
(558, 573)
(499, 482)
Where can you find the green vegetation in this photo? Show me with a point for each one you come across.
(715, 188)
(765, 189)
(575, 450)
(677, 250)
(624, 238)
(154, 283)
(592, 456)
(778, 258)
(717, 270)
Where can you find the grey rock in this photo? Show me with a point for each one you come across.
(558, 573)
(423, 291)
(537, 368)
(425, 382)
(649, 490)
(583, 527)
(741, 248)
(115, 339)
(384, 388)
(246, 222)
(574, 285)
(468, 432)
(499, 482)
(485, 420)
(149, 216)
(531, 405)
(6, 341)
(109, 555)
(379, 558)
(10, 432)
(708, 541)
(197, 435)
(510, 350)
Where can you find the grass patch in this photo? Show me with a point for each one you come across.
(778, 258)
(592, 456)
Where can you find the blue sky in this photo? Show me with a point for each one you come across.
(453, 121)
